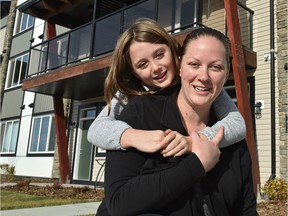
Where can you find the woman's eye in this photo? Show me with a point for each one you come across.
(216, 67)
(193, 64)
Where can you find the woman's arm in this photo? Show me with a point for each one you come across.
(231, 119)
(247, 204)
(127, 192)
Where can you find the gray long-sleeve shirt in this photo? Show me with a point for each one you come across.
(105, 131)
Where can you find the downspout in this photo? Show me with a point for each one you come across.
(272, 89)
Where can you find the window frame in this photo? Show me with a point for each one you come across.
(50, 134)
(13, 70)
(13, 136)
(24, 22)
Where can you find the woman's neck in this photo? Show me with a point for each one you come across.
(193, 118)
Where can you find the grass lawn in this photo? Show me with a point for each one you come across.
(14, 200)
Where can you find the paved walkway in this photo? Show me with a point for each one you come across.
(76, 209)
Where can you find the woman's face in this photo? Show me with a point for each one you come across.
(204, 71)
(152, 63)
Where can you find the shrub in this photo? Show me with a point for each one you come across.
(24, 183)
(276, 189)
(8, 170)
(56, 185)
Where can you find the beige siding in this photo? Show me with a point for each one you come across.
(213, 16)
(261, 39)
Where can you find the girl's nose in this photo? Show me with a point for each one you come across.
(156, 66)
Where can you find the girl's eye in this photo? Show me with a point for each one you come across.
(159, 55)
(142, 65)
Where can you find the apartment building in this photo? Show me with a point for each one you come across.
(59, 57)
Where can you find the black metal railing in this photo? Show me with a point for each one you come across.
(99, 37)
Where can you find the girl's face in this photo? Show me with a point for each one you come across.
(203, 72)
(152, 63)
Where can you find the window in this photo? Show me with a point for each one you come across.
(57, 54)
(43, 136)
(24, 22)
(17, 70)
(9, 133)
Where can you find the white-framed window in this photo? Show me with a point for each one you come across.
(9, 134)
(17, 70)
(43, 135)
(23, 22)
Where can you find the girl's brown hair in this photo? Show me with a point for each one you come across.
(121, 76)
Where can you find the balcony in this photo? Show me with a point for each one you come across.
(75, 64)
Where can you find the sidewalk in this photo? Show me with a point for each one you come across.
(76, 209)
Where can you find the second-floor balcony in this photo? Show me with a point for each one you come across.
(75, 64)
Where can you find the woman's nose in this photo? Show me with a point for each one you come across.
(203, 74)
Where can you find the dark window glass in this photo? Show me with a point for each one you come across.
(146, 9)
(80, 43)
(165, 14)
(24, 68)
(106, 34)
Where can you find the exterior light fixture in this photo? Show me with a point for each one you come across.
(258, 110)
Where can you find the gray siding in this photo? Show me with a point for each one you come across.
(3, 22)
(21, 43)
(11, 107)
(43, 103)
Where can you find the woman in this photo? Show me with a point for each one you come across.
(138, 77)
(202, 182)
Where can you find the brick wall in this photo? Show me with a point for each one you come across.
(281, 17)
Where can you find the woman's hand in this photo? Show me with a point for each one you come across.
(207, 151)
(175, 144)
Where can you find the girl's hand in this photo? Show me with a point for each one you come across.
(176, 144)
(143, 140)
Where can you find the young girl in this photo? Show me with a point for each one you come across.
(142, 71)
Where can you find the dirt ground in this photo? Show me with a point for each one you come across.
(265, 208)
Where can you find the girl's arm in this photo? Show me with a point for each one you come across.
(109, 133)
(231, 119)
(105, 131)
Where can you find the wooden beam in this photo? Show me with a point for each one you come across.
(240, 79)
(60, 124)
(61, 139)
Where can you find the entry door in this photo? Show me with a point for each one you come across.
(84, 149)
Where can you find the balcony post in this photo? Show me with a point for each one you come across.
(61, 139)
(239, 72)
(60, 124)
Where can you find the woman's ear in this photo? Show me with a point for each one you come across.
(227, 75)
